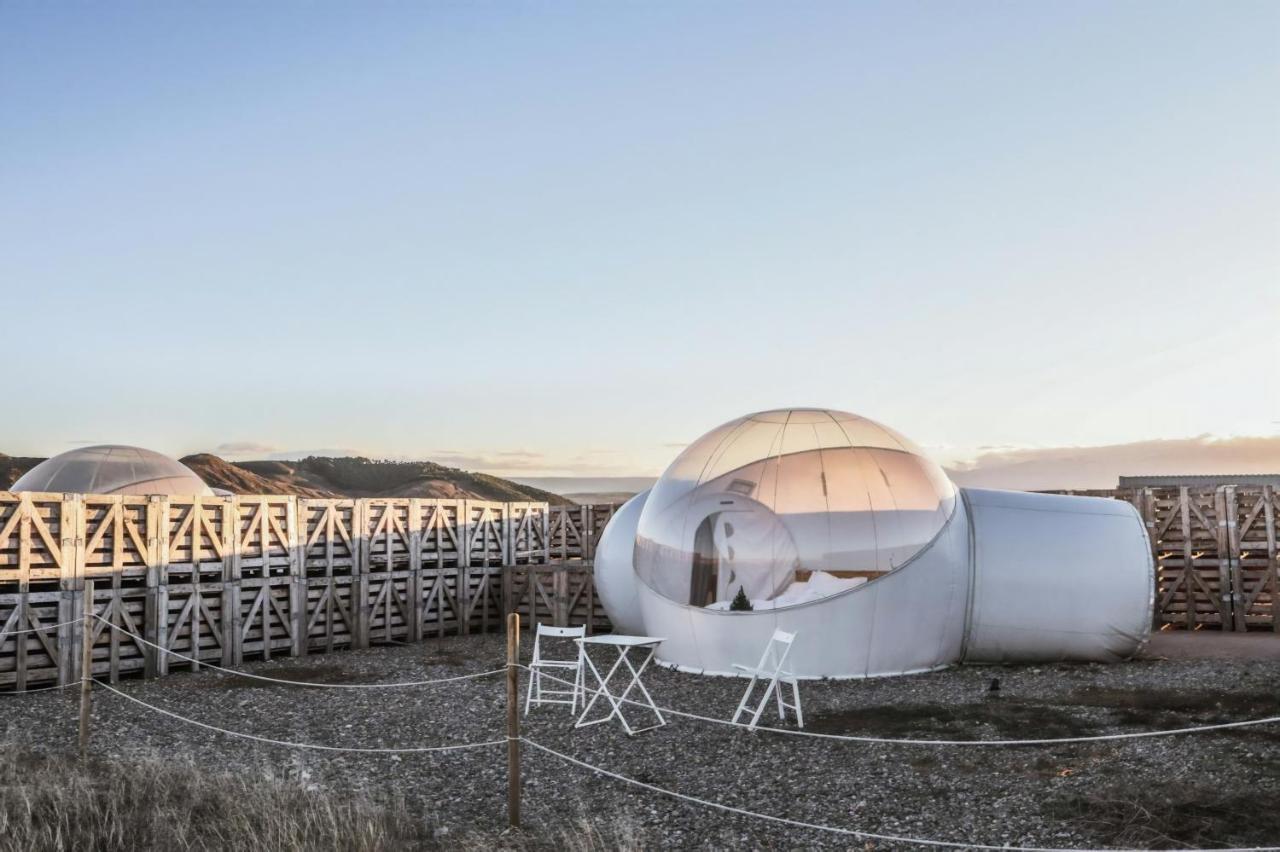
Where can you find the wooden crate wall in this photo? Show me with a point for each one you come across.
(265, 537)
(527, 533)
(484, 604)
(329, 537)
(1255, 567)
(1216, 558)
(1191, 551)
(442, 540)
(569, 533)
(37, 541)
(559, 594)
(117, 538)
(487, 533)
(35, 642)
(574, 531)
(224, 579)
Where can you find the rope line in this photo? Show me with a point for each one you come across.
(377, 750)
(865, 835)
(5, 634)
(397, 685)
(907, 741)
(41, 688)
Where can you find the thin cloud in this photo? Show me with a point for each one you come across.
(240, 448)
(515, 463)
(1044, 468)
(501, 461)
(335, 452)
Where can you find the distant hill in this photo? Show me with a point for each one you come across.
(319, 476)
(322, 476)
(12, 467)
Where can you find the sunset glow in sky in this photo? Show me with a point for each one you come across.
(567, 239)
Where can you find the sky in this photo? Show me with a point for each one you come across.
(567, 239)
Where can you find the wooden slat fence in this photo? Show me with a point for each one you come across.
(1217, 564)
(223, 579)
(574, 531)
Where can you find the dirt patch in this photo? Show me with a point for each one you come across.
(326, 673)
(1235, 705)
(1007, 718)
(1155, 708)
(453, 660)
(1172, 816)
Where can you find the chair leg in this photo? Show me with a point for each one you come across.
(742, 705)
(573, 698)
(579, 684)
(795, 693)
(782, 707)
(764, 702)
(528, 697)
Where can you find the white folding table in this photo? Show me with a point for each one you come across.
(624, 645)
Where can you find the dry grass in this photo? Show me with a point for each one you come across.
(1174, 815)
(57, 802)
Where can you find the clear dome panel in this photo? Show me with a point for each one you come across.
(111, 469)
(788, 506)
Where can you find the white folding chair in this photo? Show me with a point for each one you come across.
(536, 692)
(771, 669)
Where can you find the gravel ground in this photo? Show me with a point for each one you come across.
(1206, 789)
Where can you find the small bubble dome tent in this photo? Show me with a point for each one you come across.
(843, 531)
(113, 469)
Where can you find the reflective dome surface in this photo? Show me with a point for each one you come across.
(788, 506)
(112, 469)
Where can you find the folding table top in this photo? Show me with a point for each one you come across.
(620, 640)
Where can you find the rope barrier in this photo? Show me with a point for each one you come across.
(906, 741)
(865, 835)
(5, 634)
(42, 688)
(303, 683)
(255, 737)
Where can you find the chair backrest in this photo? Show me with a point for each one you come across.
(567, 632)
(555, 632)
(775, 653)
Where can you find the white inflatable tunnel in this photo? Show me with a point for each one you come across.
(836, 528)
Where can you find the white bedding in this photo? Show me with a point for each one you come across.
(819, 585)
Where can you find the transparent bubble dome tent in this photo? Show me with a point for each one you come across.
(112, 469)
(840, 529)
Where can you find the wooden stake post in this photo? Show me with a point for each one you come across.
(513, 720)
(86, 665)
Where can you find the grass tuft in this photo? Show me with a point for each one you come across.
(54, 801)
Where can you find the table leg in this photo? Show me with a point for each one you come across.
(637, 682)
(603, 689)
(615, 702)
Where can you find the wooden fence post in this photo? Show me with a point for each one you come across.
(86, 665)
(513, 720)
